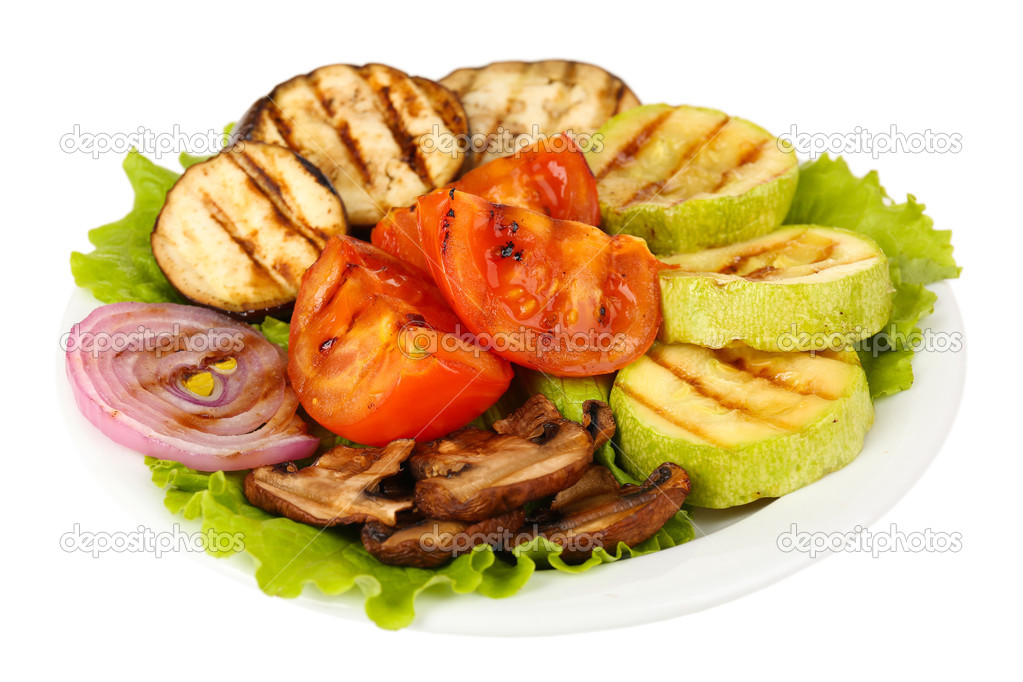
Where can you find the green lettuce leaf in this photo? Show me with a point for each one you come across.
(275, 331)
(122, 266)
(829, 194)
(291, 555)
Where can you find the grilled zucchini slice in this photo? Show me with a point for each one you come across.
(546, 97)
(362, 127)
(744, 423)
(687, 178)
(801, 288)
(238, 231)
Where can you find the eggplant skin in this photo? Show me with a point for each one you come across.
(364, 127)
(238, 231)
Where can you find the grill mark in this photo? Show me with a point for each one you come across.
(406, 143)
(741, 260)
(344, 133)
(276, 117)
(514, 94)
(227, 225)
(619, 95)
(257, 176)
(742, 365)
(692, 427)
(752, 156)
(445, 104)
(701, 387)
(655, 188)
(629, 150)
(762, 273)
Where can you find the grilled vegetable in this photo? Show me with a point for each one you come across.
(341, 486)
(362, 126)
(551, 177)
(595, 512)
(801, 288)
(744, 423)
(686, 178)
(474, 474)
(526, 98)
(376, 354)
(238, 231)
(554, 295)
(427, 543)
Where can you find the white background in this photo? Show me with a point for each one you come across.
(952, 70)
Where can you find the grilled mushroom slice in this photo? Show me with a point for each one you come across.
(598, 480)
(238, 231)
(598, 421)
(367, 128)
(545, 97)
(474, 474)
(427, 543)
(597, 515)
(342, 486)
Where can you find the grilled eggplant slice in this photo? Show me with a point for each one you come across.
(428, 543)
(687, 178)
(362, 127)
(474, 474)
(800, 288)
(344, 485)
(603, 515)
(237, 231)
(744, 423)
(526, 98)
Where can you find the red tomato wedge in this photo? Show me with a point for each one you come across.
(374, 354)
(555, 295)
(551, 177)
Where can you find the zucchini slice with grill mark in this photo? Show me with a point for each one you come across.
(801, 288)
(552, 95)
(687, 178)
(744, 423)
(363, 127)
(238, 231)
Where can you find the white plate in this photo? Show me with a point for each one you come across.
(735, 553)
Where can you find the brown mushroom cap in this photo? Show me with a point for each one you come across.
(427, 543)
(474, 474)
(581, 522)
(341, 486)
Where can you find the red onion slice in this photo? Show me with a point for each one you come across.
(128, 364)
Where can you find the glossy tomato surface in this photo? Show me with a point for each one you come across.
(551, 177)
(555, 295)
(375, 352)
